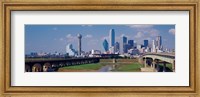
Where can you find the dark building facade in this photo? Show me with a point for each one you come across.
(105, 45)
(131, 44)
(125, 45)
(117, 47)
(112, 37)
(146, 43)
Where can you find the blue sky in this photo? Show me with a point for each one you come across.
(51, 38)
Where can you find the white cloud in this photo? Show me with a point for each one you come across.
(172, 31)
(61, 39)
(70, 37)
(141, 26)
(88, 36)
(148, 34)
(88, 25)
(144, 31)
(153, 32)
(139, 35)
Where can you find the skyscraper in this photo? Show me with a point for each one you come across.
(112, 50)
(124, 38)
(131, 44)
(125, 48)
(158, 42)
(125, 45)
(153, 46)
(105, 45)
(79, 43)
(117, 47)
(70, 51)
(112, 37)
(146, 43)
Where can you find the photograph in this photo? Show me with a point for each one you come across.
(99, 47)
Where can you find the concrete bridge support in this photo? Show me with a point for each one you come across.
(27, 68)
(46, 66)
(157, 67)
(145, 63)
(164, 67)
(173, 66)
(153, 63)
(37, 68)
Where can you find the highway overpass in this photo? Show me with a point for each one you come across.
(159, 58)
(45, 64)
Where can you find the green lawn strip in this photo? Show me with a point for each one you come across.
(167, 65)
(130, 67)
(94, 66)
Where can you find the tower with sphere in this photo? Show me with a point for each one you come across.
(79, 43)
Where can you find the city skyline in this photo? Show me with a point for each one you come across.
(51, 38)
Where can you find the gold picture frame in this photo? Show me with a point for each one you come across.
(119, 5)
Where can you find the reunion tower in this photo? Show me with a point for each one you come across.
(79, 43)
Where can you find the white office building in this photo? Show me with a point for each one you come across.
(70, 51)
(153, 46)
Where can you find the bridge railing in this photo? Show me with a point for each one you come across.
(169, 55)
(54, 59)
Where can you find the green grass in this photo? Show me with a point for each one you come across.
(130, 67)
(169, 66)
(94, 66)
(125, 67)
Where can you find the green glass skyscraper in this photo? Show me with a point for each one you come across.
(105, 45)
